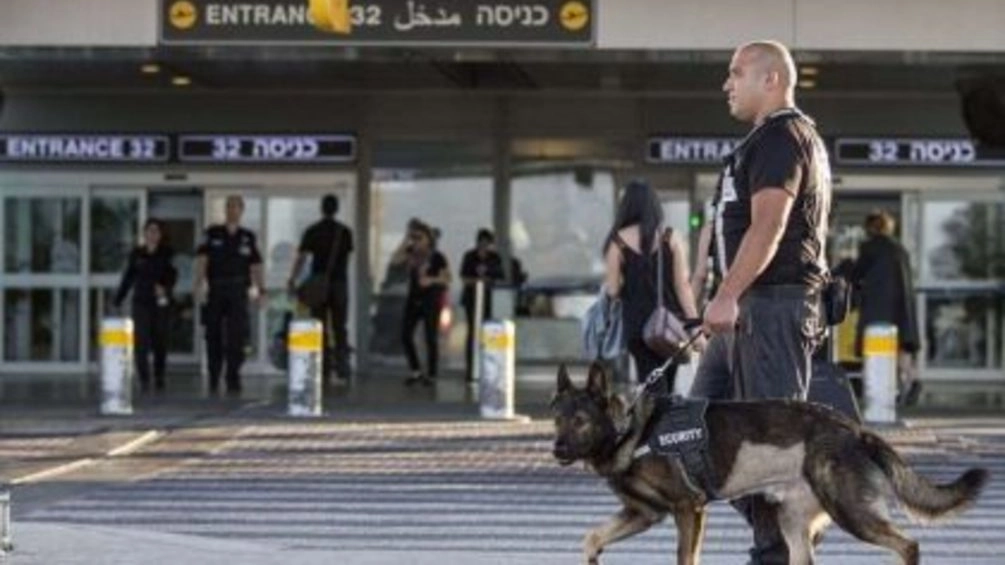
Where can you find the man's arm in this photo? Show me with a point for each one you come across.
(770, 208)
(701, 262)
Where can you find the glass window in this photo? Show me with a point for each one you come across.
(42, 235)
(560, 221)
(114, 229)
(962, 240)
(964, 330)
(41, 324)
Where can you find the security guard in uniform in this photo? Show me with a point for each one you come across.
(229, 261)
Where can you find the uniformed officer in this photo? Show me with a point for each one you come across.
(151, 276)
(229, 261)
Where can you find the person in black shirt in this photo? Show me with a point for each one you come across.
(151, 276)
(429, 277)
(329, 240)
(479, 264)
(773, 204)
(228, 259)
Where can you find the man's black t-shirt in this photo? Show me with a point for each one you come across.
(784, 152)
(318, 240)
(474, 265)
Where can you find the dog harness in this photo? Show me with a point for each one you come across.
(677, 431)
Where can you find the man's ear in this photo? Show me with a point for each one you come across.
(564, 382)
(598, 383)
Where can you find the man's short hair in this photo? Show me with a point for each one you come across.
(329, 205)
(774, 55)
(485, 235)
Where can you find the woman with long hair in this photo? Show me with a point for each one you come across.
(631, 274)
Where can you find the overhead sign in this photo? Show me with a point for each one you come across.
(380, 22)
(267, 148)
(958, 152)
(690, 150)
(49, 148)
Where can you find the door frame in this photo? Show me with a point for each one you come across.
(81, 183)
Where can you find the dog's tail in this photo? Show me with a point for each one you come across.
(918, 496)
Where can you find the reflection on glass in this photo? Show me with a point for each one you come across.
(41, 325)
(288, 218)
(114, 225)
(963, 240)
(965, 331)
(42, 235)
(560, 221)
(458, 206)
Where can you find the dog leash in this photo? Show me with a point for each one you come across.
(657, 373)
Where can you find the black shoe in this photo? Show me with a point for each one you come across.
(428, 381)
(414, 379)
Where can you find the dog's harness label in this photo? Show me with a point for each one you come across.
(677, 430)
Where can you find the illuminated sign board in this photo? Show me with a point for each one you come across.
(89, 148)
(227, 148)
(382, 22)
(959, 152)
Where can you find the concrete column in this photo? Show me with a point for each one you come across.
(502, 189)
(364, 278)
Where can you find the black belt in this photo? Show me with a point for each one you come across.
(783, 291)
(230, 281)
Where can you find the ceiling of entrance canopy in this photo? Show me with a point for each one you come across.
(370, 69)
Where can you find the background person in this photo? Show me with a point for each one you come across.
(329, 243)
(429, 278)
(151, 276)
(631, 274)
(883, 276)
(483, 264)
(228, 270)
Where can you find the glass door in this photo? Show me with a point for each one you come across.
(115, 217)
(45, 254)
(181, 214)
(278, 216)
(960, 261)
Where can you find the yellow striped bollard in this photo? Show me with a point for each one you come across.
(116, 340)
(304, 343)
(879, 371)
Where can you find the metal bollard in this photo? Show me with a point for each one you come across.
(305, 364)
(6, 539)
(498, 374)
(879, 350)
(116, 341)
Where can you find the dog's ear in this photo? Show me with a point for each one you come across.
(598, 384)
(564, 382)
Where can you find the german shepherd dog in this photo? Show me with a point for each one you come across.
(816, 464)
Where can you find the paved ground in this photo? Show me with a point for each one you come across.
(240, 483)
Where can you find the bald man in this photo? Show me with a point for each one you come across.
(770, 228)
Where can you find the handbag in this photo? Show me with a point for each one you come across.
(314, 291)
(603, 333)
(664, 332)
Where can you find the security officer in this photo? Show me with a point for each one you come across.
(151, 276)
(228, 259)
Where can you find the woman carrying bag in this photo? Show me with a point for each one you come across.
(640, 258)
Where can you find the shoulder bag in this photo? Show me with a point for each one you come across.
(314, 291)
(663, 332)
